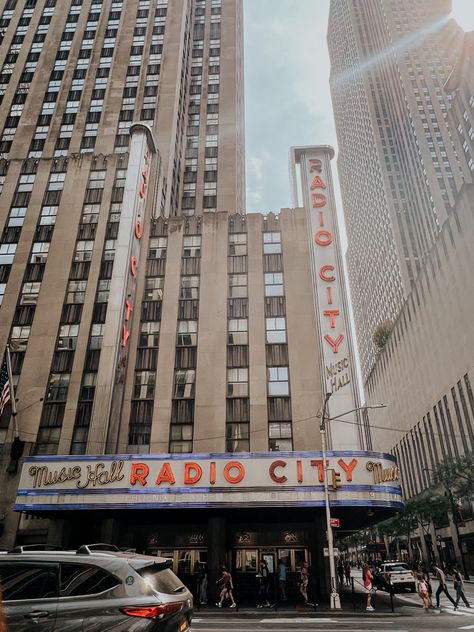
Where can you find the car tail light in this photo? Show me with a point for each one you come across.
(153, 612)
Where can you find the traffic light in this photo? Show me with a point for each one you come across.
(336, 479)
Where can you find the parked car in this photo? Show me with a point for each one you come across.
(396, 574)
(93, 589)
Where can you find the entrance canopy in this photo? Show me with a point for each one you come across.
(154, 481)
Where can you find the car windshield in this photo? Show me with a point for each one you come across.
(397, 567)
(163, 580)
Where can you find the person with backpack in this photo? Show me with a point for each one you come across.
(459, 587)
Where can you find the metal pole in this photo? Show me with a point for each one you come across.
(334, 600)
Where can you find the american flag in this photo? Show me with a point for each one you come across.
(4, 387)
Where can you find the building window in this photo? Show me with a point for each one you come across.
(238, 244)
(144, 385)
(278, 381)
(271, 243)
(276, 330)
(237, 382)
(237, 437)
(280, 436)
(184, 384)
(237, 285)
(189, 288)
(274, 284)
(192, 246)
(149, 334)
(187, 333)
(237, 331)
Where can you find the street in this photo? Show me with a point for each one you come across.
(402, 623)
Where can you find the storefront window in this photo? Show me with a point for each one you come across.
(246, 560)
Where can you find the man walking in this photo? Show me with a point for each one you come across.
(459, 587)
(282, 579)
(441, 577)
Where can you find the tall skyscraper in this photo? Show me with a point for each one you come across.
(398, 160)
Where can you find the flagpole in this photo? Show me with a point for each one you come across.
(12, 392)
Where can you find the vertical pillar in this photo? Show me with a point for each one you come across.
(216, 552)
(109, 531)
(58, 532)
(319, 563)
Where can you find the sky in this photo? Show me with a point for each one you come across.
(287, 91)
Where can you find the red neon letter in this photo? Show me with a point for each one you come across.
(323, 238)
(144, 181)
(319, 464)
(348, 468)
(332, 313)
(329, 293)
(212, 473)
(139, 473)
(128, 309)
(240, 474)
(316, 165)
(125, 336)
(317, 183)
(324, 277)
(165, 475)
(273, 476)
(192, 473)
(133, 266)
(318, 199)
(138, 229)
(335, 344)
(299, 471)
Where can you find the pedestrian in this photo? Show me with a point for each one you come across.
(340, 572)
(367, 578)
(423, 591)
(442, 587)
(282, 579)
(227, 587)
(426, 576)
(459, 587)
(303, 587)
(347, 573)
(263, 579)
(202, 583)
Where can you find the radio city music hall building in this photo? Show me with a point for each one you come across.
(169, 352)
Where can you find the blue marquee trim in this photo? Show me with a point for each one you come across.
(210, 455)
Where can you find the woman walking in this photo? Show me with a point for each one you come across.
(368, 578)
(304, 581)
(227, 588)
(423, 591)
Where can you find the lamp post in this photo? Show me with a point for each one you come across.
(334, 599)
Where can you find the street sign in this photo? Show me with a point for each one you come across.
(335, 523)
(326, 552)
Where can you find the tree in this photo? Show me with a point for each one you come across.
(382, 334)
(456, 475)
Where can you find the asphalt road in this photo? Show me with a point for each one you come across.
(415, 623)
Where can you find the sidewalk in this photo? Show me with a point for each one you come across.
(351, 605)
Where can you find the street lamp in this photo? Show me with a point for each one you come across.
(335, 601)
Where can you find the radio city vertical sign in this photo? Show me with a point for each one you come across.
(122, 304)
(331, 310)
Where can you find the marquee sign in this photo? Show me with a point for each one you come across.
(194, 480)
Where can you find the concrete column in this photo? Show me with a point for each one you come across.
(319, 563)
(58, 532)
(109, 531)
(216, 553)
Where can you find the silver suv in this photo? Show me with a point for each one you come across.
(93, 589)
